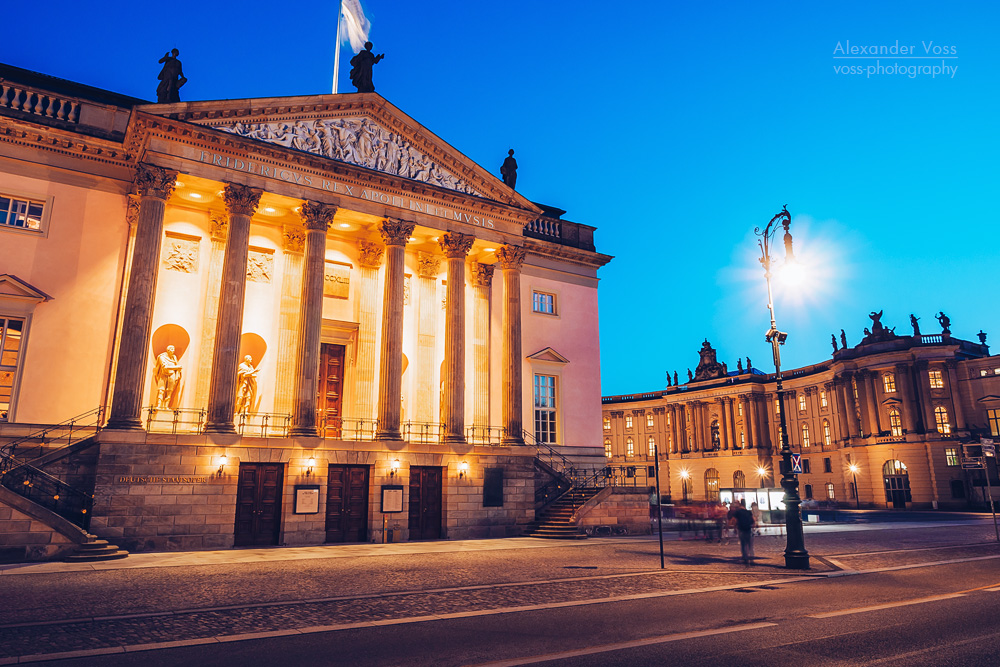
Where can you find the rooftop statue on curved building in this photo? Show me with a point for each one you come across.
(709, 368)
(878, 332)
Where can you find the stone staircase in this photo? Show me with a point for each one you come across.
(95, 549)
(556, 521)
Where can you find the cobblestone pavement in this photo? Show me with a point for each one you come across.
(50, 612)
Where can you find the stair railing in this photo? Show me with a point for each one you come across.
(71, 431)
(50, 492)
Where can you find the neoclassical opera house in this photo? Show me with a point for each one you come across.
(276, 321)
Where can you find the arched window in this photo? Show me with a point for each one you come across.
(805, 435)
(711, 484)
(629, 448)
(651, 446)
(607, 447)
(941, 420)
(739, 480)
(826, 433)
(830, 493)
(897, 483)
(895, 423)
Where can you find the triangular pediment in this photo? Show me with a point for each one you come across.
(990, 398)
(364, 130)
(550, 355)
(12, 287)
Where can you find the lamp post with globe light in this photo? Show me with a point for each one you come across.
(796, 556)
(854, 471)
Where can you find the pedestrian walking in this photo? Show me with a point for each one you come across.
(744, 521)
(755, 510)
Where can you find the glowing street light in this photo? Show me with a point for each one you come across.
(854, 471)
(796, 556)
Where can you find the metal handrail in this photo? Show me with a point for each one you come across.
(264, 424)
(180, 420)
(92, 422)
(50, 492)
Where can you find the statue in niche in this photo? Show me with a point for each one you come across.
(716, 442)
(833, 341)
(508, 170)
(246, 385)
(171, 79)
(739, 365)
(361, 69)
(914, 322)
(945, 322)
(675, 379)
(843, 339)
(167, 373)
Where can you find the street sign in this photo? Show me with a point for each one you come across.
(797, 464)
(973, 463)
(989, 449)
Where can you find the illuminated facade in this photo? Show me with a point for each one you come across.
(296, 310)
(893, 412)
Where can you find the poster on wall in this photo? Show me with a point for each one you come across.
(306, 499)
(392, 498)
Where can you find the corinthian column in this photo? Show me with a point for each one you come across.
(370, 256)
(395, 234)
(510, 259)
(241, 201)
(455, 246)
(482, 279)
(317, 218)
(155, 185)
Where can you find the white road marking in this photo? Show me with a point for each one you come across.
(888, 605)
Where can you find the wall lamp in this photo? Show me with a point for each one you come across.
(393, 467)
(222, 464)
(463, 469)
(310, 464)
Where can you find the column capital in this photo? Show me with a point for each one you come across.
(153, 181)
(510, 257)
(456, 245)
(428, 265)
(482, 274)
(901, 367)
(371, 254)
(395, 231)
(294, 238)
(132, 210)
(317, 216)
(241, 199)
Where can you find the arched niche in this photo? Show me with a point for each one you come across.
(254, 346)
(162, 338)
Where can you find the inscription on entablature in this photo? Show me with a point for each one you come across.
(337, 280)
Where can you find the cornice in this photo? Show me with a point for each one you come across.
(568, 253)
(63, 142)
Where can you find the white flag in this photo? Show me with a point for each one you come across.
(355, 26)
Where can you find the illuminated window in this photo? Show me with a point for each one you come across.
(941, 420)
(937, 382)
(993, 416)
(628, 421)
(711, 484)
(668, 419)
(895, 423)
(805, 435)
(777, 406)
(802, 402)
(543, 303)
(739, 480)
(826, 433)
(11, 334)
(607, 447)
(545, 408)
(21, 213)
(854, 387)
(951, 456)
(889, 383)
(743, 440)
(651, 446)
(822, 399)
(607, 423)
(830, 493)
(739, 408)
(649, 421)
(629, 448)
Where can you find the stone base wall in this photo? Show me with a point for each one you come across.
(165, 492)
(620, 509)
(24, 538)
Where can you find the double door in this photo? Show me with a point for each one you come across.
(258, 504)
(347, 504)
(331, 389)
(425, 503)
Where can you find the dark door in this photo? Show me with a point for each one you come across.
(331, 388)
(425, 503)
(347, 504)
(897, 490)
(258, 504)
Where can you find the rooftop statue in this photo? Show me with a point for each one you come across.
(171, 79)
(914, 323)
(878, 332)
(508, 170)
(675, 379)
(945, 322)
(843, 339)
(708, 368)
(833, 341)
(739, 365)
(361, 69)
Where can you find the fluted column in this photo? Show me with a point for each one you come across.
(428, 308)
(674, 431)
(482, 280)
(316, 217)
(847, 411)
(155, 186)
(241, 201)
(723, 423)
(370, 256)
(395, 233)
(455, 246)
(909, 407)
(510, 259)
(751, 423)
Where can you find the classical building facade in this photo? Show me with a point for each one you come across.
(298, 320)
(894, 413)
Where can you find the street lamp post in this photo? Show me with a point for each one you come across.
(857, 495)
(796, 556)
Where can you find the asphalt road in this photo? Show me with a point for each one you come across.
(905, 596)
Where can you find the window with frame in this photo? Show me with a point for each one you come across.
(628, 421)
(895, 423)
(545, 409)
(941, 420)
(739, 480)
(712, 484)
(777, 406)
(649, 421)
(936, 379)
(827, 464)
(822, 399)
(889, 383)
(993, 417)
(827, 438)
(629, 448)
(651, 447)
(809, 491)
(607, 423)
(805, 435)
(743, 440)
(802, 403)
(739, 408)
(11, 336)
(806, 468)
(21, 213)
(951, 456)
(607, 447)
(543, 302)
(830, 492)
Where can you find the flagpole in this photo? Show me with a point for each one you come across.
(336, 53)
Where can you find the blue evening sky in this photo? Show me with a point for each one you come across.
(674, 128)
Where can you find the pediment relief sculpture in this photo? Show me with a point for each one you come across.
(357, 140)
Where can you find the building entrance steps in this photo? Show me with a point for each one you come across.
(558, 520)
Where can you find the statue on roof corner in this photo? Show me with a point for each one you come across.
(508, 170)
(171, 79)
(361, 69)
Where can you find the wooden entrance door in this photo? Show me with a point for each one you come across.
(347, 504)
(258, 504)
(425, 503)
(331, 388)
